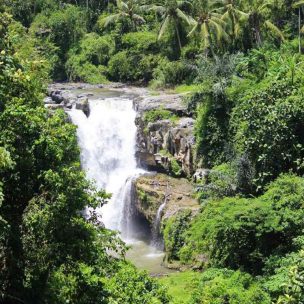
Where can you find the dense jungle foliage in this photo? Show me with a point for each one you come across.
(240, 63)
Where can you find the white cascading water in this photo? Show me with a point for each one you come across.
(107, 139)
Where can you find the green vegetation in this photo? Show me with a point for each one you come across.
(49, 252)
(241, 65)
(174, 230)
(181, 286)
(215, 286)
(159, 114)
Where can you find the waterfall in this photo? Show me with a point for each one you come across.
(157, 240)
(107, 140)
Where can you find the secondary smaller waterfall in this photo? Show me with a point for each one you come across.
(157, 240)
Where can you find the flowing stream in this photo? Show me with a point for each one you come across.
(107, 139)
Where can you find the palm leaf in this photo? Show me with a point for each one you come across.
(182, 15)
(139, 18)
(163, 27)
(298, 4)
(274, 29)
(225, 16)
(194, 29)
(157, 8)
(105, 22)
(121, 5)
(219, 31)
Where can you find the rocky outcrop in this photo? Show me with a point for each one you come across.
(171, 102)
(68, 95)
(165, 145)
(67, 99)
(152, 190)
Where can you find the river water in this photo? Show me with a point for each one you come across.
(107, 140)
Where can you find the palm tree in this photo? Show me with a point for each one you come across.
(128, 10)
(299, 5)
(171, 14)
(258, 10)
(292, 65)
(233, 18)
(208, 24)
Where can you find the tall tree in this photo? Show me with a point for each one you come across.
(299, 5)
(259, 11)
(129, 10)
(233, 17)
(208, 23)
(172, 13)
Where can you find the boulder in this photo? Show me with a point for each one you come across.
(83, 104)
(171, 102)
(49, 100)
(152, 190)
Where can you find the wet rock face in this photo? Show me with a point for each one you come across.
(152, 190)
(161, 142)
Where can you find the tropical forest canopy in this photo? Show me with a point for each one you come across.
(241, 65)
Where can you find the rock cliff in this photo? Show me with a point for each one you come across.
(165, 145)
(153, 189)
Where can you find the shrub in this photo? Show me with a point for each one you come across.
(279, 278)
(175, 168)
(129, 285)
(141, 42)
(175, 226)
(223, 286)
(125, 66)
(267, 125)
(211, 130)
(121, 68)
(86, 61)
(170, 73)
(221, 182)
(243, 233)
(158, 114)
(87, 72)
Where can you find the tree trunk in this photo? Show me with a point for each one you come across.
(178, 36)
(300, 50)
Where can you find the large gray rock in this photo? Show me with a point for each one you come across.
(153, 189)
(171, 102)
(67, 99)
(83, 104)
(160, 142)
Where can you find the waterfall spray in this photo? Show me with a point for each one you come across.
(107, 139)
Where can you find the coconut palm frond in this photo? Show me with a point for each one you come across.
(194, 29)
(121, 5)
(298, 4)
(225, 16)
(157, 8)
(163, 27)
(182, 15)
(105, 22)
(139, 18)
(275, 30)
